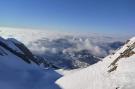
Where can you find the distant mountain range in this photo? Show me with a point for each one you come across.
(72, 53)
(16, 60)
(64, 50)
(40, 63)
(115, 71)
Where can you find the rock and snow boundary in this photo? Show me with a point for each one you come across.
(116, 71)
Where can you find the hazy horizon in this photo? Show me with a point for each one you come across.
(95, 16)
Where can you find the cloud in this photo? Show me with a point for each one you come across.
(65, 49)
(70, 44)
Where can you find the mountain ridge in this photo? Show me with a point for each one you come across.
(20, 50)
(103, 76)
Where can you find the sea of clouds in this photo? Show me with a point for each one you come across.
(64, 47)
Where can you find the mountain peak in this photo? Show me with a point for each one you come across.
(18, 49)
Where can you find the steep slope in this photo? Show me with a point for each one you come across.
(19, 69)
(20, 50)
(116, 71)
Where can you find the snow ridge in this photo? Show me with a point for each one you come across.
(98, 76)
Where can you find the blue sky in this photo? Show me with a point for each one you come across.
(101, 16)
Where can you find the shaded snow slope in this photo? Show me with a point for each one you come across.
(98, 76)
(15, 73)
(20, 50)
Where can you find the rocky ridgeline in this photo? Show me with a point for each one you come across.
(128, 51)
(20, 50)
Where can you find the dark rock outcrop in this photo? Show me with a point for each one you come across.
(20, 50)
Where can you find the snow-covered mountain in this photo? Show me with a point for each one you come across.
(116, 71)
(65, 50)
(20, 50)
(19, 68)
(17, 49)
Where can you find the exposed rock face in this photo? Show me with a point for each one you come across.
(21, 51)
(119, 75)
(126, 53)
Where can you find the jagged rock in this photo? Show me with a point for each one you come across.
(126, 53)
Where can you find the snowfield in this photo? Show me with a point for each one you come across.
(98, 77)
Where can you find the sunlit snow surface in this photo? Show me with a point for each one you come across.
(16, 74)
(97, 77)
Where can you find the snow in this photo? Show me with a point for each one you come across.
(17, 74)
(97, 77)
(64, 46)
(67, 72)
(10, 44)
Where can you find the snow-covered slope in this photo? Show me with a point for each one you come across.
(116, 71)
(19, 70)
(20, 50)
